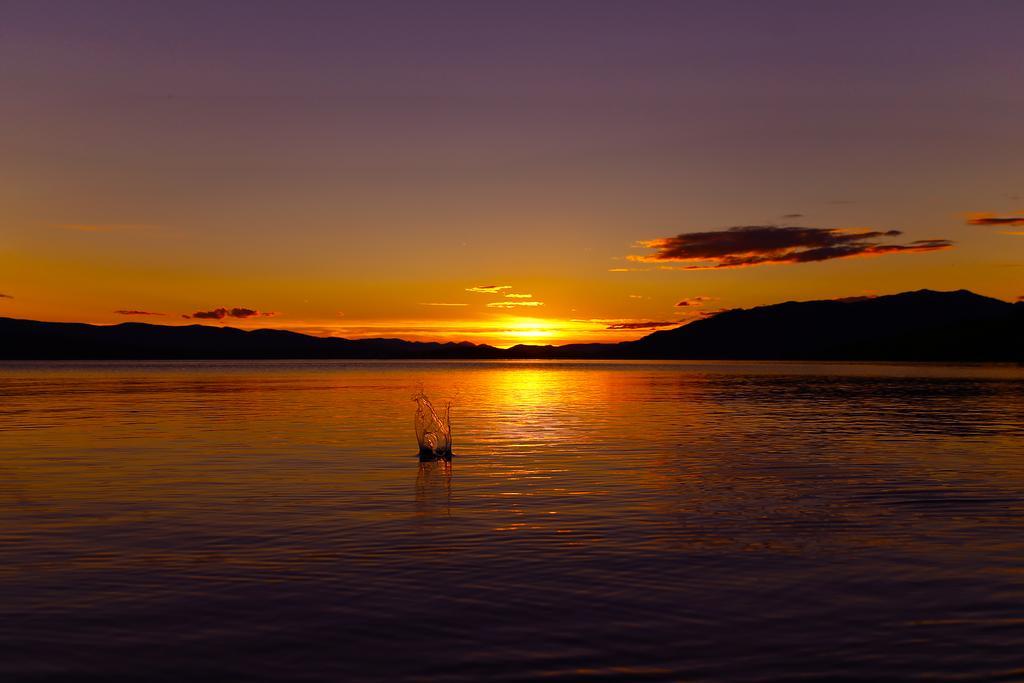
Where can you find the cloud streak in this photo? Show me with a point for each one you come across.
(514, 304)
(519, 296)
(440, 303)
(5, 296)
(130, 311)
(754, 245)
(694, 301)
(629, 323)
(643, 325)
(215, 314)
(238, 312)
(105, 227)
(994, 220)
(488, 289)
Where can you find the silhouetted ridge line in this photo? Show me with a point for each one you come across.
(913, 326)
(923, 325)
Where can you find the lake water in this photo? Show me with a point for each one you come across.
(269, 521)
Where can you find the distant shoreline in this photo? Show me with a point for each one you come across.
(912, 327)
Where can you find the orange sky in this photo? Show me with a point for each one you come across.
(348, 173)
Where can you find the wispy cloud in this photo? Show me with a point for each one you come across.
(215, 314)
(713, 313)
(439, 303)
(105, 227)
(629, 323)
(488, 289)
(994, 220)
(221, 313)
(643, 325)
(694, 301)
(129, 311)
(627, 270)
(519, 296)
(754, 245)
(792, 215)
(5, 296)
(250, 313)
(513, 304)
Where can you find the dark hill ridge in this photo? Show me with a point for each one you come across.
(914, 326)
(29, 339)
(921, 325)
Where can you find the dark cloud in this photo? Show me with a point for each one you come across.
(643, 325)
(793, 215)
(128, 311)
(221, 313)
(488, 289)
(753, 245)
(250, 313)
(991, 219)
(695, 301)
(1020, 298)
(215, 314)
(5, 296)
(243, 312)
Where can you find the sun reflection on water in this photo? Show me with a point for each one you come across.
(683, 503)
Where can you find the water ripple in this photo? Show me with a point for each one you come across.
(642, 521)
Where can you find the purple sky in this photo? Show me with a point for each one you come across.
(296, 157)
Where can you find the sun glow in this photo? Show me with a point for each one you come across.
(500, 331)
(532, 330)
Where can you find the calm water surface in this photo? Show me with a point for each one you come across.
(270, 521)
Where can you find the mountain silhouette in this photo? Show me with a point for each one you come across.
(913, 326)
(921, 325)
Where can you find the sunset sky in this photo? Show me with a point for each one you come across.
(502, 172)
